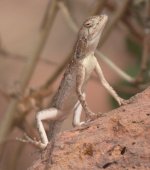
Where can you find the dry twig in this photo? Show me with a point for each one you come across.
(120, 12)
(146, 43)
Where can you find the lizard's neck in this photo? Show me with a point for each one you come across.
(85, 47)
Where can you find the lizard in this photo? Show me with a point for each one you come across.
(71, 92)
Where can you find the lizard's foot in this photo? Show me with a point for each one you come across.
(91, 116)
(122, 102)
(79, 124)
(27, 139)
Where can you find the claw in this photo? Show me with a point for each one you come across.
(91, 116)
(28, 139)
(122, 102)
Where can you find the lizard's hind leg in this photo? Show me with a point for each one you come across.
(77, 111)
(48, 114)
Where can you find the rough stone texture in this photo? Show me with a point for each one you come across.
(118, 140)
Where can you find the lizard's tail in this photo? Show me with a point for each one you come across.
(54, 128)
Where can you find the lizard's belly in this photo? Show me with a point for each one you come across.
(89, 64)
(71, 99)
(66, 97)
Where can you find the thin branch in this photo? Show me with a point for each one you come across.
(127, 21)
(120, 73)
(146, 36)
(114, 20)
(99, 7)
(49, 14)
(145, 55)
(127, 89)
(8, 55)
(8, 119)
(146, 43)
(67, 16)
(137, 35)
(57, 72)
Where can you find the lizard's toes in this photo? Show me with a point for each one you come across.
(82, 123)
(123, 102)
(34, 142)
(79, 124)
(91, 117)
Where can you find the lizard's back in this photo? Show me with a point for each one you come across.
(65, 97)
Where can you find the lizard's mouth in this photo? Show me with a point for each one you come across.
(102, 22)
(97, 29)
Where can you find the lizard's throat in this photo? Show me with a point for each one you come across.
(88, 47)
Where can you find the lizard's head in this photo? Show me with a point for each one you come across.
(89, 35)
(94, 26)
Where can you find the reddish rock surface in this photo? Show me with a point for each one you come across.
(118, 140)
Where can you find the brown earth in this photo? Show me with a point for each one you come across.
(119, 140)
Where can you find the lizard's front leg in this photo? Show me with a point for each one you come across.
(106, 84)
(79, 83)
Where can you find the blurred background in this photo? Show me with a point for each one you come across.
(36, 42)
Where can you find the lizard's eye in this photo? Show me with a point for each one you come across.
(88, 24)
